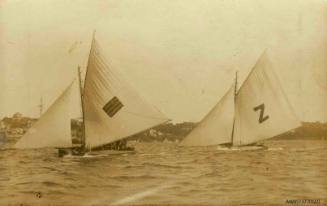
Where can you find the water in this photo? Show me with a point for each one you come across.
(167, 174)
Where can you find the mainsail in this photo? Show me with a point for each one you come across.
(262, 109)
(53, 129)
(112, 108)
(216, 127)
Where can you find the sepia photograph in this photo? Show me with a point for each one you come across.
(163, 102)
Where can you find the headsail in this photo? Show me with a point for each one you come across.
(216, 127)
(112, 109)
(262, 109)
(54, 127)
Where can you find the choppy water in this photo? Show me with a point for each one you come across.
(167, 174)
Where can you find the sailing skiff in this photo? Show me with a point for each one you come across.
(111, 109)
(257, 111)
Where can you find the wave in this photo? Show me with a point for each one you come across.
(50, 183)
(7, 149)
(275, 149)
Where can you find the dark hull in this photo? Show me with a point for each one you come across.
(248, 147)
(77, 151)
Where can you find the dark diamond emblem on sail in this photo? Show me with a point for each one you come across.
(113, 106)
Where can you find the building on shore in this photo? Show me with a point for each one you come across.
(17, 124)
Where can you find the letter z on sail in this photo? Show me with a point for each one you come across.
(262, 116)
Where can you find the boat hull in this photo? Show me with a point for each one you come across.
(77, 152)
(242, 148)
(110, 152)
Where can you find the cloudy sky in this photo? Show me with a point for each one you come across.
(181, 55)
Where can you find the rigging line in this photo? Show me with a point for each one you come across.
(145, 116)
(120, 78)
(102, 77)
(252, 70)
(106, 63)
(290, 106)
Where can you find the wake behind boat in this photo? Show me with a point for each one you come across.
(257, 111)
(111, 111)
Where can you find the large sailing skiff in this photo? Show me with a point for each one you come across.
(258, 110)
(112, 110)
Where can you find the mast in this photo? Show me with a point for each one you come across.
(82, 88)
(82, 104)
(235, 94)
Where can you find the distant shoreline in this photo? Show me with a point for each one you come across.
(300, 138)
(177, 132)
(17, 125)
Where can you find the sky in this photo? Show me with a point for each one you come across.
(180, 55)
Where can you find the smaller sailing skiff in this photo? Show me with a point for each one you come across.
(257, 111)
(112, 111)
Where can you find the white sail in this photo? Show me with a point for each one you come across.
(216, 127)
(112, 109)
(262, 110)
(53, 129)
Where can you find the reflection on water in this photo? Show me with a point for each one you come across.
(167, 174)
